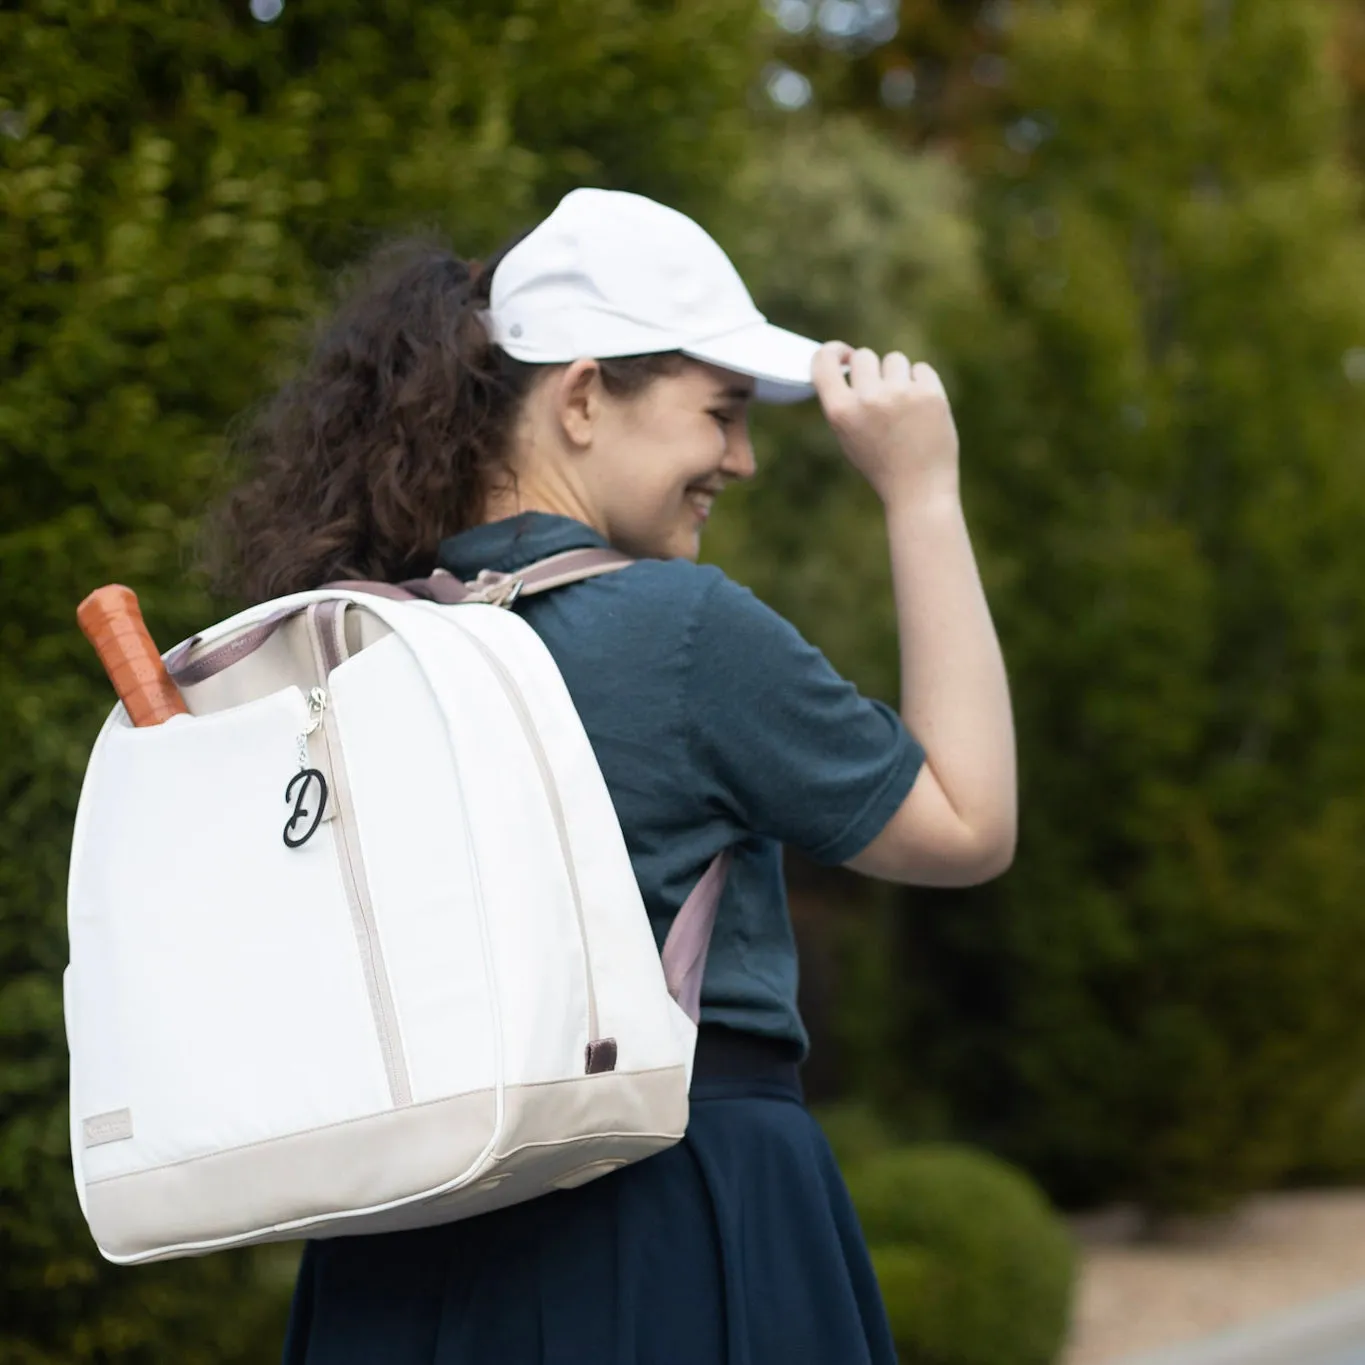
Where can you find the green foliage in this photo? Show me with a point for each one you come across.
(934, 76)
(975, 1268)
(1150, 310)
(1163, 440)
(176, 180)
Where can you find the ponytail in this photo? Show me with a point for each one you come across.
(385, 441)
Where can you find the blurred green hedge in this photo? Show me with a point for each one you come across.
(1153, 332)
(975, 1267)
(1162, 1000)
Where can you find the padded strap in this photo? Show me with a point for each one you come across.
(499, 589)
(489, 588)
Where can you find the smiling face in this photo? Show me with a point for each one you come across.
(664, 456)
(644, 470)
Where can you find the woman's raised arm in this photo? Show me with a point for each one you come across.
(958, 824)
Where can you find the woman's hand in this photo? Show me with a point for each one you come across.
(892, 420)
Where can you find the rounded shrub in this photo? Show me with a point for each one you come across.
(855, 1131)
(974, 1265)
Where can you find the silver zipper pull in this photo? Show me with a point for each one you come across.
(317, 704)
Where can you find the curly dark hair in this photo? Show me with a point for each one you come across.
(389, 437)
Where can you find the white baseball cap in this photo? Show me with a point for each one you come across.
(612, 274)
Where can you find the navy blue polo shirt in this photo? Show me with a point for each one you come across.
(715, 725)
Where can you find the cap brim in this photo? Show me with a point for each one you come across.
(778, 361)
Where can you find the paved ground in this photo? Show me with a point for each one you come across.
(1354, 1355)
(1280, 1252)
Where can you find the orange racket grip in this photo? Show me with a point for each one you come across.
(112, 621)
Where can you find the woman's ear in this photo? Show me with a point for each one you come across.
(578, 401)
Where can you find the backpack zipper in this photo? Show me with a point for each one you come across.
(328, 641)
(329, 650)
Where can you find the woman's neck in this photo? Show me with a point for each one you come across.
(524, 493)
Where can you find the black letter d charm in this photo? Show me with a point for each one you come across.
(302, 780)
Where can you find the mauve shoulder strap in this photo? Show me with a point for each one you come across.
(689, 938)
(498, 589)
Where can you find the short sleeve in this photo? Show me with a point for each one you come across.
(795, 750)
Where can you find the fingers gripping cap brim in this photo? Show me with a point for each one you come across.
(779, 361)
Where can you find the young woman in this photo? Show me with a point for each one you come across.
(589, 387)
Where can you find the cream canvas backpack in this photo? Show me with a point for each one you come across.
(356, 945)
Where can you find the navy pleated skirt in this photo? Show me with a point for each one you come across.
(739, 1246)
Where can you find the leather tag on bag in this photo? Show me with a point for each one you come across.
(601, 1056)
(115, 1126)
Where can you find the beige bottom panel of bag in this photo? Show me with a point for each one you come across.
(555, 1135)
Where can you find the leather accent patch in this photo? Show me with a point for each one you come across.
(601, 1056)
(115, 1126)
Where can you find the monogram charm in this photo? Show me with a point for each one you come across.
(297, 792)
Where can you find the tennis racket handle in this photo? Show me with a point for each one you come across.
(111, 620)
